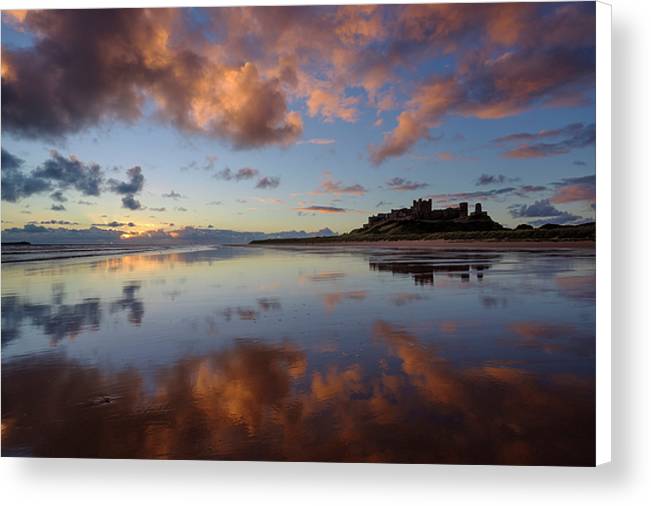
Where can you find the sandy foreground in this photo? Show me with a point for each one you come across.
(445, 244)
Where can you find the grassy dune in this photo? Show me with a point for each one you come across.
(548, 234)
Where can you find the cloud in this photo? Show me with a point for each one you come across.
(576, 189)
(71, 172)
(133, 185)
(129, 188)
(242, 174)
(571, 137)
(246, 173)
(58, 207)
(58, 196)
(318, 141)
(158, 209)
(214, 203)
(400, 184)
(111, 224)
(15, 184)
(107, 63)
(487, 179)
(129, 202)
(48, 235)
(268, 182)
(58, 222)
(324, 59)
(321, 209)
(382, 203)
(62, 173)
(86, 203)
(493, 194)
(331, 186)
(172, 195)
(543, 63)
(542, 209)
(208, 164)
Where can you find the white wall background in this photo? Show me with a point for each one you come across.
(625, 481)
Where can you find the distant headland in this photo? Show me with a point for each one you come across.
(420, 222)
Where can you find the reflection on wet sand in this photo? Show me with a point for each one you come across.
(263, 401)
(423, 273)
(236, 354)
(59, 321)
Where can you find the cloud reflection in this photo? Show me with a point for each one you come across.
(262, 401)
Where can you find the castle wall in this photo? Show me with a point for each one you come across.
(422, 210)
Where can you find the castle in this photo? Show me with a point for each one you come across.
(421, 209)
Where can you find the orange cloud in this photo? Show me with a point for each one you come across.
(320, 209)
(574, 193)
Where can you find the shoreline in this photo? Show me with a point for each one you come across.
(440, 244)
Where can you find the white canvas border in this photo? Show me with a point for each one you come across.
(604, 245)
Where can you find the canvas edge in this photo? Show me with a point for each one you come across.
(603, 219)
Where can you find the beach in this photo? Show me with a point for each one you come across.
(442, 244)
(357, 353)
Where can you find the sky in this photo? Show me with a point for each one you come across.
(150, 123)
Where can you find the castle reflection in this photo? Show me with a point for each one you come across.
(423, 273)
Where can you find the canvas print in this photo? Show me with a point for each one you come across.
(344, 233)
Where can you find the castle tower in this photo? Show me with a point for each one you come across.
(421, 208)
(477, 208)
(463, 209)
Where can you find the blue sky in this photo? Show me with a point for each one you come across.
(420, 95)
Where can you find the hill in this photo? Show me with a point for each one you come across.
(415, 230)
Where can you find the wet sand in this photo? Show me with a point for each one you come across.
(446, 244)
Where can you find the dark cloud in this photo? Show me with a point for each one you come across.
(239, 175)
(493, 194)
(172, 195)
(17, 185)
(569, 138)
(58, 222)
(488, 179)
(58, 196)
(382, 203)
(246, 173)
(129, 202)
(38, 234)
(542, 209)
(60, 173)
(58, 207)
(268, 182)
(158, 209)
(71, 172)
(47, 235)
(133, 185)
(400, 184)
(112, 224)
